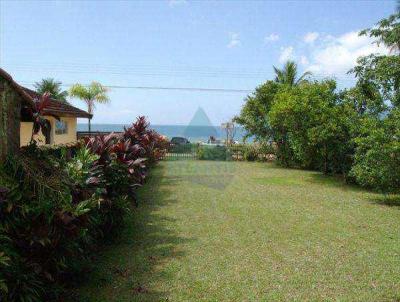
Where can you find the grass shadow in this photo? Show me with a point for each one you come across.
(333, 181)
(387, 200)
(126, 271)
(329, 180)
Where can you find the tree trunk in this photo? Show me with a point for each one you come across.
(90, 110)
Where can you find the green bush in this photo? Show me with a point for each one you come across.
(46, 230)
(377, 156)
(213, 153)
(55, 210)
(251, 153)
(186, 148)
(354, 131)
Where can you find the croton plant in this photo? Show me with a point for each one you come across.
(37, 113)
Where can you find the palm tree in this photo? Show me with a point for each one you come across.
(94, 93)
(53, 87)
(288, 74)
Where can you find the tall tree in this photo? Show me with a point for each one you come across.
(288, 74)
(377, 153)
(387, 31)
(383, 71)
(253, 116)
(92, 94)
(53, 87)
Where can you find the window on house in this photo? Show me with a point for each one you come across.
(61, 127)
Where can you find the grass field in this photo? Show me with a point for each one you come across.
(238, 231)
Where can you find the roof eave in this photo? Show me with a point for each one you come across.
(61, 113)
(17, 87)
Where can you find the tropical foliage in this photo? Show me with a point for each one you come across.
(288, 74)
(92, 94)
(353, 131)
(253, 116)
(40, 124)
(53, 87)
(213, 153)
(55, 211)
(377, 156)
(386, 32)
(248, 152)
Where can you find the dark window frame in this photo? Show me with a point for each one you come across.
(63, 130)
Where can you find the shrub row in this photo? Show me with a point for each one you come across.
(249, 152)
(213, 153)
(55, 211)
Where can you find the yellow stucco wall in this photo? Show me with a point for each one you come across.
(26, 133)
(69, 137)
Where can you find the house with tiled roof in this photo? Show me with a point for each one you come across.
(16, 122)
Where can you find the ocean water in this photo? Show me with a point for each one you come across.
(193, 133)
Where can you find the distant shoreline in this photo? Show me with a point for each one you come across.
(193, 132)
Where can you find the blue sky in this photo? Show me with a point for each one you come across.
(223, 44)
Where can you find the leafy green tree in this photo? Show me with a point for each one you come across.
(364, 98)
(386, 31)
(289, 74)
(383, 71)
(310, 124)
(377, 153)
(311, 127)
(253, 116)
(92, 94)
(383, 74)
(53, 87)
(377, 157)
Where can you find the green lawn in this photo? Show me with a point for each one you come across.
(237, 231)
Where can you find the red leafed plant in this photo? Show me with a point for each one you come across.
(153, 144)
(39, 122)
(121, 163)
(125, 157)
(51, 221)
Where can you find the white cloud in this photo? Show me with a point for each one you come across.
(311, 37)
(336, 55)
(304, 61)
(287, 53)
(173, 3)
(234, 40)
(271, 38)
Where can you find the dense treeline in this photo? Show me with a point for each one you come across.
(353, 131)
(55, 210)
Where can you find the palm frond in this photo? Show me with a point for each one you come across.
(288, 74)
(94, 93)
(53, 87)
(99, 92)
(279, 76)
(79, 91)
(303, 77)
